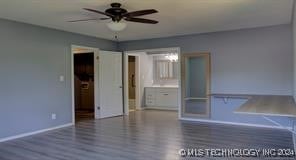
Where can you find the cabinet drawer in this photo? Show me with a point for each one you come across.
(149, 102)
(161, 97)
(168, 99)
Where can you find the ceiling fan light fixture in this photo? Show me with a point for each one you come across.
(116, 26)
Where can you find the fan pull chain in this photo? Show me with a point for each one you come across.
(117, 41)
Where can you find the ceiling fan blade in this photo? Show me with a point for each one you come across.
(140, 13)
(141, 20)
(99, 12)
(104, 18)
(81, 20)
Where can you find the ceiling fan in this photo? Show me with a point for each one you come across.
(117, 14)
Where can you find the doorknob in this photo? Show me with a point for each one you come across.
(98, 107)
(120, 86)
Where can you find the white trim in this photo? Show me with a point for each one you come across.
(72, 85)
(84, 50)
(133, 53)
(179, 85)
(138, 95)
(234, 123)
(96, 52)
(266, 114)
(96, 84)
(35, 132)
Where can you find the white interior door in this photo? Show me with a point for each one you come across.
(109, 84)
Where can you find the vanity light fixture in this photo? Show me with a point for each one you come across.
(173, 57)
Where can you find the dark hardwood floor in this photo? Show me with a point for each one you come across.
(144, 135)
(83, 115)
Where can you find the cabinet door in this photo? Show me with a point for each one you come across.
(167, 97)
(150, 96)
(195, 73)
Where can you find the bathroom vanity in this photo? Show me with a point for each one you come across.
(161, 98)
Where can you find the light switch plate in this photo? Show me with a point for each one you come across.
(62, 78)
(53, 116)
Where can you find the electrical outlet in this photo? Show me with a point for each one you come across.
(53, 116)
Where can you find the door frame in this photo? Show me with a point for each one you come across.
(208, 84)
(96, 81)
(138, 94)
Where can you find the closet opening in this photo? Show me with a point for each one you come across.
(84, 85)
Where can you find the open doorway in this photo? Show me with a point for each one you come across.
(84, 85)
(100, 81)
(157, 81)
(132, 83)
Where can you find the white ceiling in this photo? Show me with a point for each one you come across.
(176, 17)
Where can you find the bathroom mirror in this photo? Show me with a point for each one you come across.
(165, 69)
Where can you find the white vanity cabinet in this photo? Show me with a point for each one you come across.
(150, 96)
(161, 98)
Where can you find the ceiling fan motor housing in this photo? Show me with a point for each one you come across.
(116, 11)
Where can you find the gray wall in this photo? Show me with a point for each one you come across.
(253, 61)
(243, 61)
(31, 60)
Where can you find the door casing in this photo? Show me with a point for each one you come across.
(96, 53)
(208, 84)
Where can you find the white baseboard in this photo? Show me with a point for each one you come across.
(234, 123)
(35, 132)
